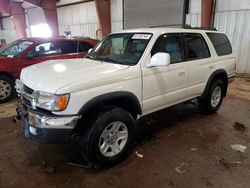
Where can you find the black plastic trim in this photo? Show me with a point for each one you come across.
(210, 80)
(102, 99)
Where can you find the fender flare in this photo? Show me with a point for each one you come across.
(219, 72)
(109, 97)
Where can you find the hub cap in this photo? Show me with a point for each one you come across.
(113, 139)
(5, 89)
(216, 96)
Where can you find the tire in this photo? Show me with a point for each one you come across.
(7, 90)
(99, 135)
(214, 98)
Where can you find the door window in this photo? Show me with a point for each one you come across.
(169, 43)
(45, 49)
(67, 46)
(196, 46)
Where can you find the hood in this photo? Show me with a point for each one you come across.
(52, 75)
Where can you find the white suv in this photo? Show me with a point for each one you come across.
(127, 75)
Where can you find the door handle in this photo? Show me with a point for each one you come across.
(181, 73)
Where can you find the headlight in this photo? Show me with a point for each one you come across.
(50, 101)
(19, 87)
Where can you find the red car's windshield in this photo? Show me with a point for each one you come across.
(16, 48)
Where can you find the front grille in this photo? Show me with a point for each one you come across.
(26, 102)
(27, 90)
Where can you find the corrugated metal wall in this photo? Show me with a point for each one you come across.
(116, 15)
(233, 18)
(146, 13)
(80, 19)
(9, 33)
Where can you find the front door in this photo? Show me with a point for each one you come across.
(165, 86)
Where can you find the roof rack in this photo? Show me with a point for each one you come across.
(200, 28)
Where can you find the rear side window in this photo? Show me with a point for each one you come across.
(67, 47)
(196, 46)
(221, 43)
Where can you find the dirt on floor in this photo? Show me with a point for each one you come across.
(176, 147)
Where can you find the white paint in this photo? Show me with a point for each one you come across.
(233, 18)
(85, 79)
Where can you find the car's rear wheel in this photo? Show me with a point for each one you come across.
(6, 88)
(214, 98)
(108, 139)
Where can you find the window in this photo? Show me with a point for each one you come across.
(84, 46)
(169, 43)
(15, 48)
(221, 43)
(196, 46)
(66, 46)
(121, 48)
(45, 49)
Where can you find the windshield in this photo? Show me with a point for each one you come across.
(15, 48)
(121, 48)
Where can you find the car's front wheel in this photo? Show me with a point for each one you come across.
(6, 88)
(109, 137)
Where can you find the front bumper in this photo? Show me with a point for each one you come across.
(46, 128)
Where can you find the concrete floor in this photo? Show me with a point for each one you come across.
(180, 148)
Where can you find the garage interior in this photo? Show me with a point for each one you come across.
(175, 147)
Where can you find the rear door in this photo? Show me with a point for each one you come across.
(199, 62)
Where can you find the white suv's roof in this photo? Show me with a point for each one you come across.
(158, 30)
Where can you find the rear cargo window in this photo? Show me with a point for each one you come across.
(221, 43)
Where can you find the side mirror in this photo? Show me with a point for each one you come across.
(90, 50)
(160, 59)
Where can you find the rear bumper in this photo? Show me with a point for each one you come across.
(46, 129)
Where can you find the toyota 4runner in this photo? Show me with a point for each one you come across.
(127, 75)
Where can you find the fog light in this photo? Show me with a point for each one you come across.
(33, 130)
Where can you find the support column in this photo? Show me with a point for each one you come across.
(18, 18)
(50, 11)
(104, 15)
(206, 13)
(5, 6)
(1, 23)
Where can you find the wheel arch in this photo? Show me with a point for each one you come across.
(7, 74)
(218, 74)
(126, 100)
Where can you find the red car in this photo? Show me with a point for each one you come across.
(25, 52)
